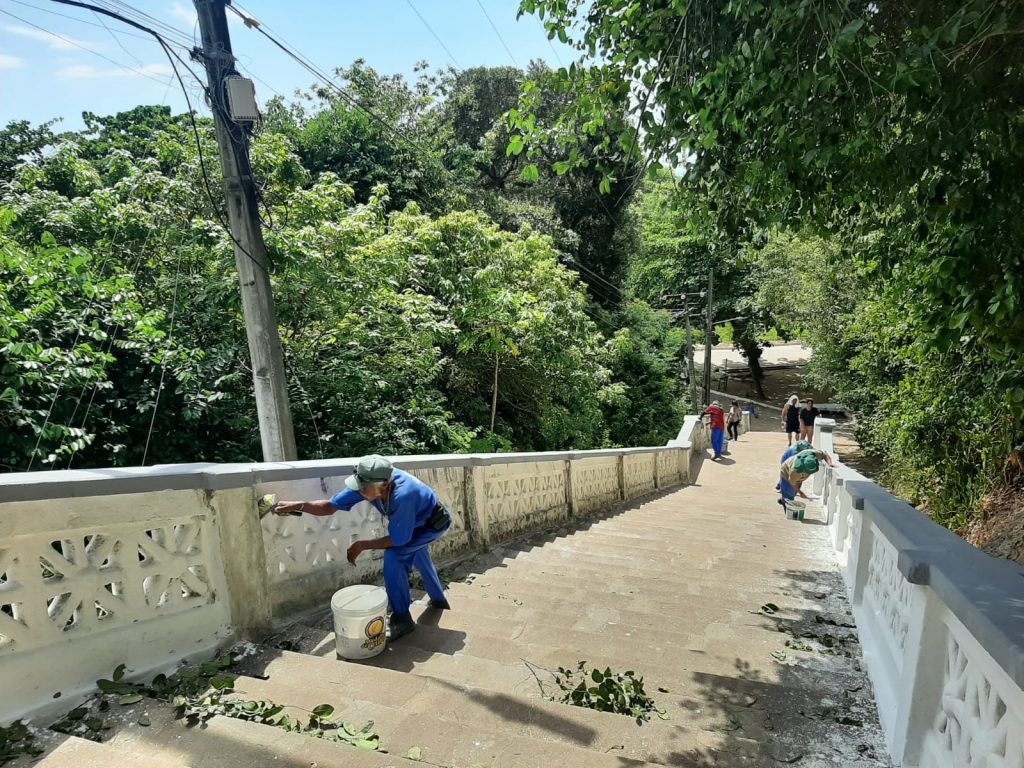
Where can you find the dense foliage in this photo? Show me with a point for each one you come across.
(887, 134)
(422, 306)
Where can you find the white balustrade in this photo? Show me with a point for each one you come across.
(941, 625)
(152, 566)
(90, 583)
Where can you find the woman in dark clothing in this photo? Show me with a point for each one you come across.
(807, 416)
(791, 419)
(735, 418)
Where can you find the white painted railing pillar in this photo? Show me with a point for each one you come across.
(822, 440)
(921, 687)
(941, 626)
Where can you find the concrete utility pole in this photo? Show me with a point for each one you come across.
(275, 418)
(691, 375)
(707, 339)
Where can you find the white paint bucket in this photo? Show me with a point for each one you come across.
(794, 510)
(360, 621)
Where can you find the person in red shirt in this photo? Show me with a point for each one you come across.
(717, 427)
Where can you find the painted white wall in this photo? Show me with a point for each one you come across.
(943, 699)
(152, 566)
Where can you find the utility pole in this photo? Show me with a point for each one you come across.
(709, 327)
(691, 374)
(270, 384)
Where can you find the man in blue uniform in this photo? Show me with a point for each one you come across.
(798, 468)
(793, 450)
(415, 518)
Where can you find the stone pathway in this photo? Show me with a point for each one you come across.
(735, 618)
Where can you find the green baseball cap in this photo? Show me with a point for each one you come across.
(370, 470)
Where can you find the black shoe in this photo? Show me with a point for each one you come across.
(439, 605)
(400, 624)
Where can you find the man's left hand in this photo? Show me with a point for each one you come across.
(354, 551)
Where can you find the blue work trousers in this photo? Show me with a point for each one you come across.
(718, 441)
(399, 561)
(788, 491)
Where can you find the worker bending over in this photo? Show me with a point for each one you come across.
(415, 518)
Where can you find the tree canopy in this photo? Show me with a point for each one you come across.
(421, 309)
(887, 130)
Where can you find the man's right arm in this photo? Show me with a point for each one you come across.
(320, 508)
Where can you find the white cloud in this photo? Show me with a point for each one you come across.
(184, 13)
(89, 72)
(10, 62)
(56, 42)
(187, 15)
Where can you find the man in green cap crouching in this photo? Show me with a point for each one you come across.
(415, 518)
(796, 469)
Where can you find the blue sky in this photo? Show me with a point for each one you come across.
(106, 70)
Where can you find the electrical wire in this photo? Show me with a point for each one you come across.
(75, 18)
(69, 41)
(502, 39)
(550, 44)
(60, 383)
(171, 57)
(112, 333)
(253, 23)
(163, 365)
(436, 37)
(115, 39)
(596, 276)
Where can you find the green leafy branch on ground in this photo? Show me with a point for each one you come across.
(16, 740)
(198, 693)
(607, 691)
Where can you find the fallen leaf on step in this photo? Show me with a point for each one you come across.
(789, 760)
(414, 753)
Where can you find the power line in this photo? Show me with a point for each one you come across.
(76, 19)
(171, 56)
(596, 276)
(113, 331)
(143, 20)
(436, 37)
(163, 364)
(69, 41)
(550, 44)
(114, 37)
(502, 39)
(254, 23)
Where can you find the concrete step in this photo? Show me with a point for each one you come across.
(634, 592)
(598, 565)
(654, 542)
(224, 742)
(767, 708)
(308, 681)
(690, 625)
(62, 751)
(595, 616)
(635, 536)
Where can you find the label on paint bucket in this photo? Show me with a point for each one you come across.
(375, 633)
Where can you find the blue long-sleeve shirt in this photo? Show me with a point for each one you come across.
(408, 507)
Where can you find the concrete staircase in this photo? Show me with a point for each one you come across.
(672, 589)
